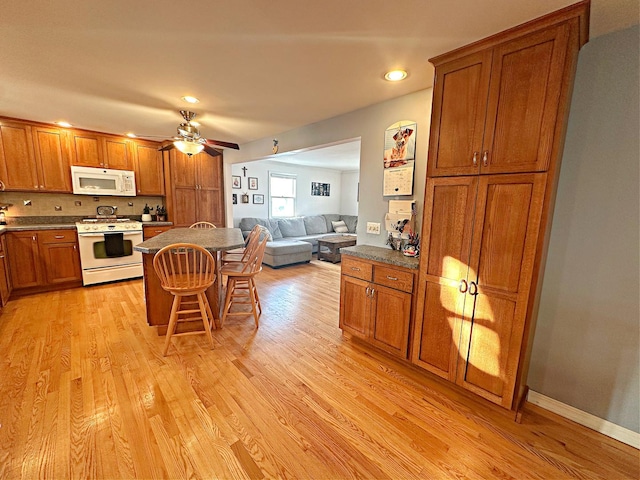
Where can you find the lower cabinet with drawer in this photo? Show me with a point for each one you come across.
(150, 231)
(42, 259)
(376, 303)
(5, 279)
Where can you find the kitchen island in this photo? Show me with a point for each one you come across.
(158, 301)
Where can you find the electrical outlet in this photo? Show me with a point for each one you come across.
(373, 228)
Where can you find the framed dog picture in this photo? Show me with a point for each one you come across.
(399, 144)
(236, 181)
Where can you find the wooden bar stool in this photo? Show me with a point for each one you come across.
(185, 269)
(242, 254)
(241, 284)
(203, 225)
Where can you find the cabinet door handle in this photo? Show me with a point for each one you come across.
(473, 289)
(373, 291)
(485, 158)
(366, 291)
(1, 257)
(463, 286)
(475, 158)
(59, 236)
(42, 187)
(33, 238)
(355, 269)
(392, 278)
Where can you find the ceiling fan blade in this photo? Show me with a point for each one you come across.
(214, 152)
(222, 144)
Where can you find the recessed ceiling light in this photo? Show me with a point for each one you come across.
(395, 75)
(63, 124)
(132, 135)
(190, 99)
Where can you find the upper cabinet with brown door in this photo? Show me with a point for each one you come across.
(34, 157)
(500, 110)
(148, 168)
(497, 103)
(195, 190)
(91, 149)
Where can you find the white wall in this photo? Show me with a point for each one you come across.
(587, 344)
(306, 204)
(349, 194)
(369, 124)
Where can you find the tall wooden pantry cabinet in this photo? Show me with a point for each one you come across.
(499, 117)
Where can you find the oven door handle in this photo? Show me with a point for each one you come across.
(102, 234)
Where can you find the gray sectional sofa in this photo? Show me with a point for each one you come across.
(294, 240)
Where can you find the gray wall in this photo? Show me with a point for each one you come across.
(587, 339)
(369, 124)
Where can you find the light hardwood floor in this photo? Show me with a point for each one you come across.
(85, 392)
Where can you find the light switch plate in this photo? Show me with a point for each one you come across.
(373, 228)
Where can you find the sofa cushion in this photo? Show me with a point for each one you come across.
(315, 224)
(287, 247)
(340, 227)
(292, 227)
(265, 231)
(351, 221)
(330, 217)
(274, 228)
(247, 224)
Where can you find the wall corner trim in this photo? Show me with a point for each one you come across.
(598, 424)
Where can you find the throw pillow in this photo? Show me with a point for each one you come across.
(340, 227)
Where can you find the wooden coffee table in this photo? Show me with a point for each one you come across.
(334, 244)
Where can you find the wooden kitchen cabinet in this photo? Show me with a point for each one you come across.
(17, 160)
(475, 281)
(43, 259)
(86, 149)
(5, 280)
(148, 168)
(118, 153)
(195, 189)
(150, 231)
(376, 303)
(91, 149)
(52, 159)
(24, 259)
(34, 158)
(486, 223)
(60, 256)
(495, 110)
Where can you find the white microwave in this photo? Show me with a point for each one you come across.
(103, 181)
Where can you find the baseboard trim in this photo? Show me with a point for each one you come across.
(598, 424)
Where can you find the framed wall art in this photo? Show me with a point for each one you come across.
(258, 199)
(253, 183)
(236, 181)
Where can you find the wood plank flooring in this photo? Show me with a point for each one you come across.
(85, 392)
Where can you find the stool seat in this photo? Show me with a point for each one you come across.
(186, 270)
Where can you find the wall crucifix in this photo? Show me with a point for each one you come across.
(244, 171)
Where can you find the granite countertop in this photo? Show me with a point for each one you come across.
(53, 223)
(213, 239)
(381, 254)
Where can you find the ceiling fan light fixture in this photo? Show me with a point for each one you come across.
(188, 148)
(395, 75)
(190, 99)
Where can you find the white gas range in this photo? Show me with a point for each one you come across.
(106, 249)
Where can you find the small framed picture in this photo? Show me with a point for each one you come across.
(234, 198)
(236, 181)
(258, 198)
(244, 198)
(253, 183)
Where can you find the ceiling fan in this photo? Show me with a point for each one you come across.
(190, 142)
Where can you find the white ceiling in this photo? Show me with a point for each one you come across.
(259, 67)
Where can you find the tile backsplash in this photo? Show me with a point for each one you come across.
(66, 204)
